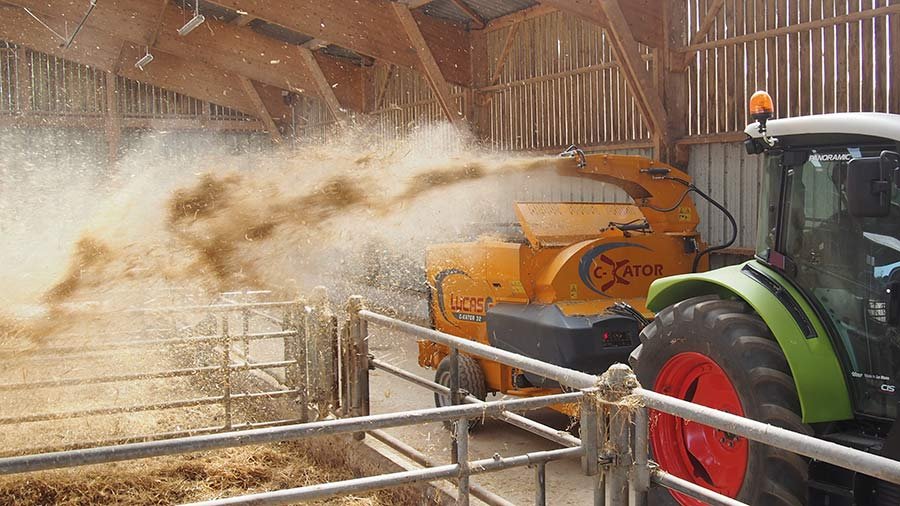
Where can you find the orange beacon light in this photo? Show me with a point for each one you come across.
(761, 107)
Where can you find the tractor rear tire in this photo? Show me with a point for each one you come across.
(471, 380)
(721, 354)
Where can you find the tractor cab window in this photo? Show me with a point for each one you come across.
(845, 263)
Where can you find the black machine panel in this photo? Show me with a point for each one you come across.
(585, 343)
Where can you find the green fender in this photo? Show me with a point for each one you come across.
(821, 385)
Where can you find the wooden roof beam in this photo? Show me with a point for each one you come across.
(415, 4)
(236, 49)
(105, 52)
(633, 65)
(429, 66)
(368, 27)
(262, 112)
(644, 18)
(705, 26)
(160, 17)
(470, 13)
(324, 89)
(504, 53)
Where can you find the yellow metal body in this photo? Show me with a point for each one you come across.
(572, 257)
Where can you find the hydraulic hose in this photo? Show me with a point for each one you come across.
(720, 207)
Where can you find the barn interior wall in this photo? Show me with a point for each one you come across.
(553, 79)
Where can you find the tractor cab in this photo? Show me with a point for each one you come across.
(829, 222)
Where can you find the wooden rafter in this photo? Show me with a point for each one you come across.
(323, 87)
(368, 27)
(236, 49)
(262, 112)
(507, 45)
(705, 26)
(634, 68)
(519, 16)
(154, 35)
(428, 65)
(708, 20)
(415, 4)
(105, 52)
(470, 13)
(643, 18)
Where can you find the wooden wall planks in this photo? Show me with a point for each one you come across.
(42, 84)
(827, 56)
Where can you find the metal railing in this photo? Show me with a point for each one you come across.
(206, 355)
(613, 444)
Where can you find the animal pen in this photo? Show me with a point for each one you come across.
(612, 446)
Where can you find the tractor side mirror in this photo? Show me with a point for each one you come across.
(870, 185)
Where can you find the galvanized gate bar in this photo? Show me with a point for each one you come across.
(819, 449)
(519, 421)
(368, 484)
(106, 454)
(691, 489)
(185, 403)
(486, 496)
(335, 488)
(130, 345)
(564, 376)
(174, 373)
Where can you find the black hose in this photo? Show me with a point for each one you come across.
(698, 191)
(734, 229)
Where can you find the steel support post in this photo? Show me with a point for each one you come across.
(334, 337)
(454, 398)
(359, 356)
(295, 350)
(590, 434)
(540, 484)
(639, 481)
(245, 332)
(226, 371)
(615, 385)
(618, 447)
(346, 369)
(462, 454)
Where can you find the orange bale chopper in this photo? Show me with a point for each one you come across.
(573, 291)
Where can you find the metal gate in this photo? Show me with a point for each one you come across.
(613, 443)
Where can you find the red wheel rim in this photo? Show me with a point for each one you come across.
(708, 457)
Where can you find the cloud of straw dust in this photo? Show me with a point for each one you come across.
(285, 220)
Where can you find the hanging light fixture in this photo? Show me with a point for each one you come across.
(194, 22)
(145, 60)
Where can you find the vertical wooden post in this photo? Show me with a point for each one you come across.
(479, 113)
(674, 86)
(113, 119)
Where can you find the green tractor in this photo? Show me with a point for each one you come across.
(805, 336)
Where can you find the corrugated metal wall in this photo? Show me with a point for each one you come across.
(732, 177)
